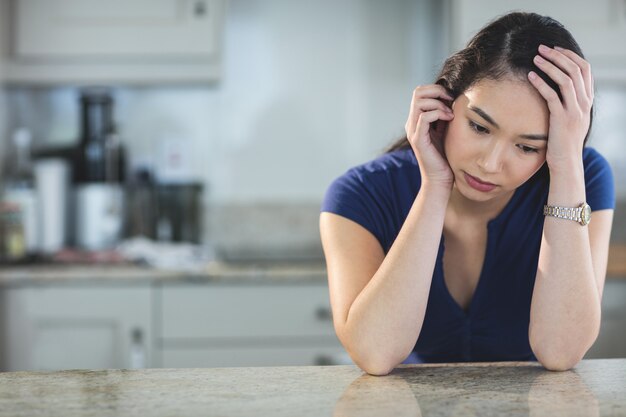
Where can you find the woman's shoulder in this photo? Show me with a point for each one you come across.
(398, 161)
(593, 159)
(376, 194)
(391, 175)
(597, 168)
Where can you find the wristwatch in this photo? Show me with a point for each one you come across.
(580, 214)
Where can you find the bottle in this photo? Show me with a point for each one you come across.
(19, 189)
(12, 247)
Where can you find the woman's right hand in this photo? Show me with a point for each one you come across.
(425, 130)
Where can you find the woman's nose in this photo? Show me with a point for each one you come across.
(491, 158)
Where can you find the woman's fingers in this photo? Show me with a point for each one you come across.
(426, 118)
(569, 74)
(423, 106)
(551, 97)
(565, 83)
(425, 98)
(585, 68)
(428, 104)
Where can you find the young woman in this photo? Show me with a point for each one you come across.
(471, 239)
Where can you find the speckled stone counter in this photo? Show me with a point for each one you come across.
(593, 388)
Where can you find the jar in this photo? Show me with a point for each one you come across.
(12, 238)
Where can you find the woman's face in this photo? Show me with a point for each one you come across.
(497, 139)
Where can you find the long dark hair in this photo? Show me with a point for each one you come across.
(504, 48)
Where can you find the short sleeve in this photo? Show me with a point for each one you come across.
(377, 195)
(599, 184)
(352, 197)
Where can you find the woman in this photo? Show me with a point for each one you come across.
(448, 248)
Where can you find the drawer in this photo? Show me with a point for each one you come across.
(250, 356)
(263, 311)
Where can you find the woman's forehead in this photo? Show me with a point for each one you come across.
(509, 103)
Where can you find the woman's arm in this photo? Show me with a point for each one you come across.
(379, 301)
(566, 304)
(565, 309)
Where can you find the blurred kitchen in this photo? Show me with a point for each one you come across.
(164, 161)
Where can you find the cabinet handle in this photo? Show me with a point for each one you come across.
(200, 8)
(323, 360)
(324, 314)
(137, 349)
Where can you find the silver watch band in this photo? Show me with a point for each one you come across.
(569, 213)
(580, 214)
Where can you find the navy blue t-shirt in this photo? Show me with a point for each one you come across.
(379, 194)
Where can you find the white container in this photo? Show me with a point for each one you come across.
(99, 215)
(51, 183)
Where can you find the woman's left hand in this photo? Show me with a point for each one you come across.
(569, 118)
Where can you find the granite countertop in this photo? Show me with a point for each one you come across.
(595, 387)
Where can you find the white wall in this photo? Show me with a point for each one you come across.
(308, 89)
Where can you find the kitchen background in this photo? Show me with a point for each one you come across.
(296, 94)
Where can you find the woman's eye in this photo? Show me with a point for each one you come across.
(478, 128)
(528, 149)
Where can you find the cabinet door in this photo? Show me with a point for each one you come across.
(138, 28)
(599, 26)
(115, 41)
(76, 327)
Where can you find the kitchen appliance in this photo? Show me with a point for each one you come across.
(141, 205)
(98, 175)
(179, 212)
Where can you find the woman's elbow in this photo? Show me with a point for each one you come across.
(559, 365)
(375, 367)
(557, 362)
(374, 363)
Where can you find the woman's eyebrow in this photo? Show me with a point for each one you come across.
(484, 115)
(488, 118)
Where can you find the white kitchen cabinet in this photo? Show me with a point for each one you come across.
(599, 26)
(66, 327)
(246, 325)
(116, 41)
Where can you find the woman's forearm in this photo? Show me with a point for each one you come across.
(565, 310)
(385, 320)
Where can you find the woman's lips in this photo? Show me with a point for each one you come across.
(477, 184)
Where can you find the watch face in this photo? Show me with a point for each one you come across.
(586, 214)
